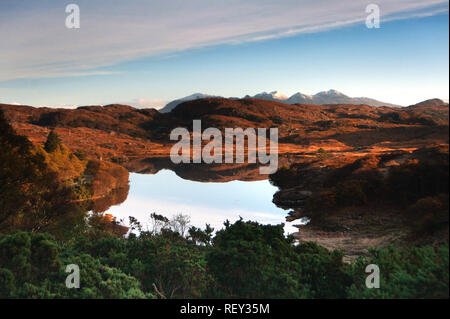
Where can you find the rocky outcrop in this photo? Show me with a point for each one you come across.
(343, 215)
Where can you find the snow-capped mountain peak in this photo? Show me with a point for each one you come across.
(330, 93)
(321, 98)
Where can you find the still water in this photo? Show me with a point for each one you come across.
(205, 202)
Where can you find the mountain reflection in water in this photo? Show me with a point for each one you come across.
(205, 202)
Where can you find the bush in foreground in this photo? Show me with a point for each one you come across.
(243, 260)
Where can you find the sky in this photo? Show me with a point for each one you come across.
(147, 53)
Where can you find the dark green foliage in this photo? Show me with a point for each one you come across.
(200, 236)
(245, 260)
(323, 271)
(417, 272)
(250, 260)
(33, 266)
(166, 264)
(98, 280)
(52, 143)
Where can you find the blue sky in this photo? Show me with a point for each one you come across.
(146, 53)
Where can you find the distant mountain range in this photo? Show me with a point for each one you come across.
(321, 98)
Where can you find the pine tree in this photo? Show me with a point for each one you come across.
(52, 142)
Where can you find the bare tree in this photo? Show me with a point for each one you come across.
(180, 223)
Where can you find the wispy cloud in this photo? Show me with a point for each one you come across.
(35, 42)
